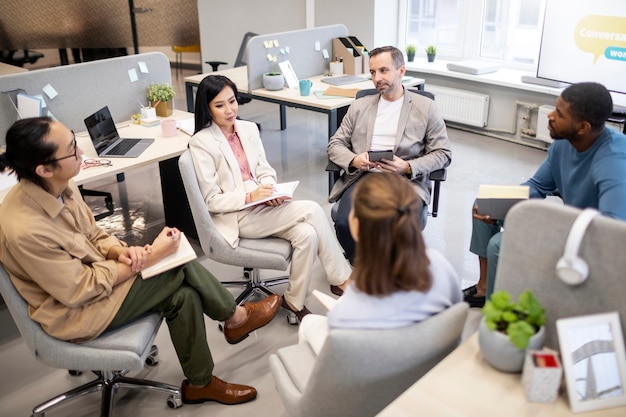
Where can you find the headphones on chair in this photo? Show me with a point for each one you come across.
(572, 269)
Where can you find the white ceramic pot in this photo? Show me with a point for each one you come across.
(500, 353)
(273, 82)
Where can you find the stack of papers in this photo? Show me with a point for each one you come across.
(188, 126)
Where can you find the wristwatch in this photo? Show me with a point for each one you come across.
(409, 173)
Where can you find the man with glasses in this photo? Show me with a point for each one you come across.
(79, 281)
(395, 119)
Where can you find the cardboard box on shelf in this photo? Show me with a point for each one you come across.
(346, 52)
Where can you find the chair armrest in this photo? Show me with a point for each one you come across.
(332, 167)
(438, 175)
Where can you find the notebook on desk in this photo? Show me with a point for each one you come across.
(343, 79)
(107, 141)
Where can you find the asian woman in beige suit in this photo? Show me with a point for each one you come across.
(232, 170)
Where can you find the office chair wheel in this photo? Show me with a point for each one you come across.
(174, 401)
(153, 357)
(247, 274)
(74, 372)
(292, 319)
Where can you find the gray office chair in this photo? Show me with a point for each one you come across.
(533, 242)
(437, 177)
(358, 372)
(241, 55)
(113, 353)
(252, 254)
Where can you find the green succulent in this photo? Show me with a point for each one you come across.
(431, 50)
(410, 49)
(160, 92)
(519, 320)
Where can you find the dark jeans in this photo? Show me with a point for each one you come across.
(183, 295)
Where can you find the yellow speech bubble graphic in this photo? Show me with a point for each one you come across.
(602, 35)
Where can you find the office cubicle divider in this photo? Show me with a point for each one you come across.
(299, 47)
(73, 92)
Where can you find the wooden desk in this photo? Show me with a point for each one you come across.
(335, 108)
(10, 69)
(463, 384)
(165, 151)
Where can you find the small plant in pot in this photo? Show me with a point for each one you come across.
(431, 51)
(410, 52)
(509, 328)
(273, 80)
(160, 96)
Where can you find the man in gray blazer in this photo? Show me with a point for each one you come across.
(395, 119)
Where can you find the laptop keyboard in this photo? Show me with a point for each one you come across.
(123, 147)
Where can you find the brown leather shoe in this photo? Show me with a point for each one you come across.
(259, 314)
(336, 289)
(217, 390)
(299, 314)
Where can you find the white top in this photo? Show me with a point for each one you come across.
(356, 309)
(386, 124)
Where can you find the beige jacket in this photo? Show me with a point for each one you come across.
(421, 140)
(219, 176)
(55, 256)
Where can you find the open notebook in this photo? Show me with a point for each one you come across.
(183, 254)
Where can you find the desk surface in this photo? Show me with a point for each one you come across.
(160, 150)
(292, 95)
(463, 384)
(10, 69)
(239, 76)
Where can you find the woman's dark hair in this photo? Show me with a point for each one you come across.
(27, 148)
(589, 102)
(390, 251)
(209, 87)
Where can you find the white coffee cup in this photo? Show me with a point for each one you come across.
(168, 128)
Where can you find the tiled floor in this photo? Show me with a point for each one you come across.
(296, 153)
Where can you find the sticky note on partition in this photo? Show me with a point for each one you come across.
(143, 67)
(132, 75)
(50, 91)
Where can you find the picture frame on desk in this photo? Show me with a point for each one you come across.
(592, 353)
(290, 75)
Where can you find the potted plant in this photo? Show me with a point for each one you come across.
(160, 96)
(431, 51)
(273, 80)
(410, 52)
(509, 328)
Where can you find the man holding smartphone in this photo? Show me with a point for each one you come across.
(405, 126)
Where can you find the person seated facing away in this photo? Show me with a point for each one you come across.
(232, 170)
(395, 119)
(396, 280)
(586, 166)
(79, 281)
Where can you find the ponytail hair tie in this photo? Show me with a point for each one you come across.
(403, 210)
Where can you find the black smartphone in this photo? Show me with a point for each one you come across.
(375, 156)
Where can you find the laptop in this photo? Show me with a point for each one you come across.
(107, 141)
(343, 79)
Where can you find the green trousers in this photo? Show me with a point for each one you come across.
(182, 295)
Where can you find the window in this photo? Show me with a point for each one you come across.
(503, 30)
(434, 22)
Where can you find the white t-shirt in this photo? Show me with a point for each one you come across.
(386, 124)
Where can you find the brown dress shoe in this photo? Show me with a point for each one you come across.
(299, 314)
(217, 390)
(259, 314)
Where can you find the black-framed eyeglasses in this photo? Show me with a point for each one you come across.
(74, 155)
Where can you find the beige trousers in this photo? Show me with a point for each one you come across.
(305, 225)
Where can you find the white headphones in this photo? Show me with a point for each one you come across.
(572, 269)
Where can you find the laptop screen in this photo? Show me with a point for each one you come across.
(102, 129)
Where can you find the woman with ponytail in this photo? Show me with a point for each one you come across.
(396, 280)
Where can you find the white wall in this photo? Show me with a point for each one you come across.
(223, 24)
